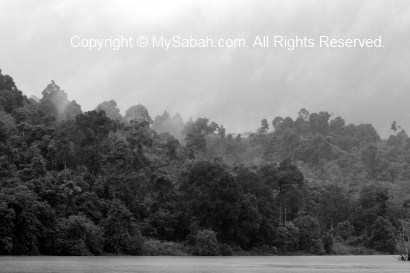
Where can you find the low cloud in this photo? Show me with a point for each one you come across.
(233, 86)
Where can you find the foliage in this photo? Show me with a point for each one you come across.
(77, 235)
(344, 230)
(120, 231)
(74, 183)
(309, 234)
(206, 243)
(287, 238)
(152, 247)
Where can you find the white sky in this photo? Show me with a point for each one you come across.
(235, 87)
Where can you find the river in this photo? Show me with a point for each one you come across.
(127, 264)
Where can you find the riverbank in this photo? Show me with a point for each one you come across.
(154, 247)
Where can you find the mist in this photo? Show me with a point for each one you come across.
(236, 87)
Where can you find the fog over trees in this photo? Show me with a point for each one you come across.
(96, 182)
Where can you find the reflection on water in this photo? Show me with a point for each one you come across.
(122, 264)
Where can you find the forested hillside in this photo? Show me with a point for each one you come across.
(97, 182)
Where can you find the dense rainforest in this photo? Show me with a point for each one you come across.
(98, 182)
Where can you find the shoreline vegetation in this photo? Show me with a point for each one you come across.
(158, 248)
(99, 182)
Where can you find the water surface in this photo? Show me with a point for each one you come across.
(123, 264)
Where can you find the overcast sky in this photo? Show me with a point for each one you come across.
(236, 87)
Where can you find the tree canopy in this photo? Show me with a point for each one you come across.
(87, 183)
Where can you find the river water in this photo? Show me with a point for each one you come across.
(123, 264)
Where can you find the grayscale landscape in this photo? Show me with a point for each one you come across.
(204, 136)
